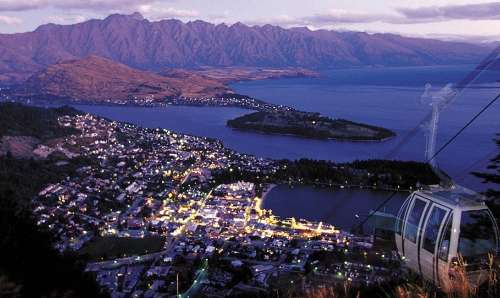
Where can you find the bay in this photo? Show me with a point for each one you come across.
(388, 97)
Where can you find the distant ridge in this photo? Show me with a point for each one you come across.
(139, 43)
(99, 79)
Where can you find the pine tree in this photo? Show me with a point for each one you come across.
(492, 174)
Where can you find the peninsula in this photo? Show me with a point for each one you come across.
(99, 80)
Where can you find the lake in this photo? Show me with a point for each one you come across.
(342, 208)
(387, 97)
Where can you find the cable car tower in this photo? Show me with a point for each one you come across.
(438, 227)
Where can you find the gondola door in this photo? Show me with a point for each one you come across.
(412, 231)
(432, 229)
(398, 237)
(443, 253)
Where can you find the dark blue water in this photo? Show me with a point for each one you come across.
(388, 97)
(201, 121)
(342, 208)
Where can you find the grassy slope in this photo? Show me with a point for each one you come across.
(20, 120)
(113, 247)
(30, 261)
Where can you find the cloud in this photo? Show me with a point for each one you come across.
(336, 16)
(67, 19)
(9, 20)
(96, 5)
(153, 9)
(281, 20)
(462, 37)
(155, 12)
(20, 5)
(218, 18)
(483, 11)
(473, 12)
(100, 4)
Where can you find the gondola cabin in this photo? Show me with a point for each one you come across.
(436, 227)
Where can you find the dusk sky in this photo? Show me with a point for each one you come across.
(474, 20)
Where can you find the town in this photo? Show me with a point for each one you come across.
(197, 236)
(224, 100)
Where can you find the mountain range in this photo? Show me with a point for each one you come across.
(148, 45)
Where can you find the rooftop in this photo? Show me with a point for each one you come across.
(456, 196)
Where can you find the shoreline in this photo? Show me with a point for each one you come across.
(249, 130)
(264, 195)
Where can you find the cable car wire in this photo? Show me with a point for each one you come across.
(464, 83)
(465, 126)
(433, 156)
(459, 87)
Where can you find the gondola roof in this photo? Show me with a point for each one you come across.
(456, 196)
